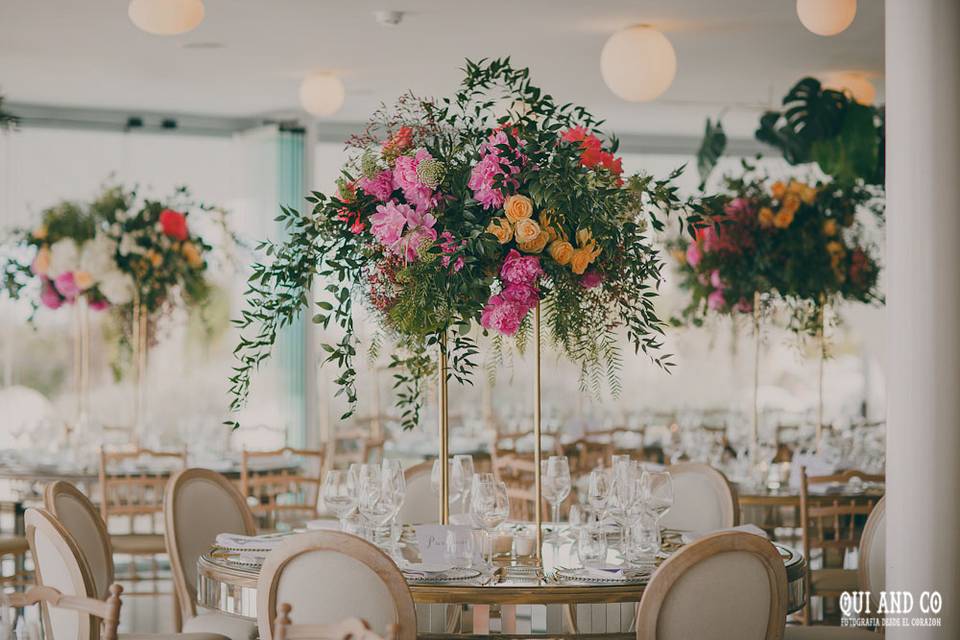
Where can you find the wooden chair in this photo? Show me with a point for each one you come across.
(15, 547)
(286, 494)
(80, 517)
(108, 611)
(198, 505)
(586, 454)
(134, 495)
(349, 629)
(351, 446)
(703, 499)
(516, 470)
(420, 503)
(368, 585)
(831, 526)
(689, 595)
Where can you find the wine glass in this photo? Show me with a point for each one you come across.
(454, 482)
(395, 481)
(376, 500)
(463, 470)
(657, 490)
(489, 507)
(598, 491)
(555, 474)
(339, 495)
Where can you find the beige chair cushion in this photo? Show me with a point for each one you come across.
(79, 521)
(63, 574)
(138, 543)
(698, 501)
(420, 503)
(222, 624)
(702, 605)
(833, 580)
(829, 633)
(13, 545)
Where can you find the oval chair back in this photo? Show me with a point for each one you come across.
(703, 500)
(81, 518)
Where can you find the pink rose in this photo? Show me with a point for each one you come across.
(520, 269)
(744, 305)
(388, 222)
(380, 187)
(716, 281)
(98, 304)
(716, 301)
(591, 279)
(693, 255)
(67, 286)
(49, 296)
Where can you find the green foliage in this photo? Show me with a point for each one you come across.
(7, 121)
(711, 148)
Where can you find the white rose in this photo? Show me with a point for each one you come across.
(64, 256)
(117, 287)
(97, 256)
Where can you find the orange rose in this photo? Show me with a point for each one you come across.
(83, 280)
(778, 189)
(547, 225)
(791, 202)
(155, 258)
(808, 195)
(561, 251)
(830, 228)
(765, 217)
(580, 260)
(526, 230)
(192, 254)
(500, 228)
(537, 245)
(518, 208)
(783, 219)
(40, 233)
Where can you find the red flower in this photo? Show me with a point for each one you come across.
(174, 224)
(592, 154)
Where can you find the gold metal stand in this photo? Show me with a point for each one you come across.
(81, 367)
(140, 345)
(537, 453)
(822, 347)
(443, 423)
(755, 432)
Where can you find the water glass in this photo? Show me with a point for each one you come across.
(598, 491)
(339, 495)
(592, 546)
(657, 489)
(644, 539)
(556, 483)
(458, 550)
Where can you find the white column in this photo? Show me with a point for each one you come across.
(923, 305)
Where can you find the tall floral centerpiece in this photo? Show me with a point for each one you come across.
(451, 215)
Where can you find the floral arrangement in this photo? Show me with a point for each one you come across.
(448, 217)
(801, 242)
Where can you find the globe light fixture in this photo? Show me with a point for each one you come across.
(638, 63)
(857, 85)
(321, 93)
(166, 17)
(826, 17)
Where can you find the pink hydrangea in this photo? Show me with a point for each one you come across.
(405, 177)
(387, 223)
(520, 269)
(716, 301)
(49, 296)
(380, 187)
(67, 286)
(693, 255)
(591, 279)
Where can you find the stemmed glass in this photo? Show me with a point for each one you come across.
(455, 481)
(490, 507)
(339, 495)
(377, 501)
(394, 481)
(555, 474)
(463, 470)
(598, 492)
(657, 492)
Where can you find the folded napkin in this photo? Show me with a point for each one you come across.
(692, 536)
(253, 545)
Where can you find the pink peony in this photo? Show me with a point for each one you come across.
(405, 177)
(520, 269)
(591, 279)
(716, 301)
(388, 222)
(521, 294)
(716, 281)
(693, 255)
(49, 296)
(380, 187)
(482, 183)
(421, 230)
(98, 304)
(67, 286)
(503, 316)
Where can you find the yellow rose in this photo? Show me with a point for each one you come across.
(580, 260)
(526, 230)
(765, 217)
(518, 208)
(192, 254)
(783, 219)
(500, 228)
(830, 228)
(778, 189)
(83, 280)
(40, 233)
(41, 264)
(537, 245)
(583, 237)
(808, 195)
(561, 251)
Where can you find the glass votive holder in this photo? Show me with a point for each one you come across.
(523, 543)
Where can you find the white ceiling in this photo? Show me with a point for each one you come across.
(733, 55)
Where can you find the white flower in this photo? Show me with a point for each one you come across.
(64, 256)
(97, 256)
(119, 215)
(117, 287)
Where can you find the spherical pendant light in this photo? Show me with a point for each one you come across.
(166, 17)
(857, 85)
(321, 93)
(826, 17)
(638, 63)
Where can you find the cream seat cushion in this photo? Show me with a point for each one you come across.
(220, 624)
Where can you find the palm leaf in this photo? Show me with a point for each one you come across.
(711, 148)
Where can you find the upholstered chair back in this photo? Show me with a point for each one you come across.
(873, 543)
(81, 518)
(420, 503)
(702, 499)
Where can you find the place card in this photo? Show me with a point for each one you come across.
(432, 540)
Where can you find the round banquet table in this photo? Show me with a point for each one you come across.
(232, 588)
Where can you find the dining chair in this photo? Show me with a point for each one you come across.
(586, 454)
(131, 484)
(703, 499)
(330, 575)
(348, 629)
(831, 528)
(80, 517)
(420, 503)
(15, 547)
(198, 505)
(516, 470)
(107, 611)
(349, 446)
(692, 594)
(288, 493)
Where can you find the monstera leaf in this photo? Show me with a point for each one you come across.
(827, 127)
(711, 148)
